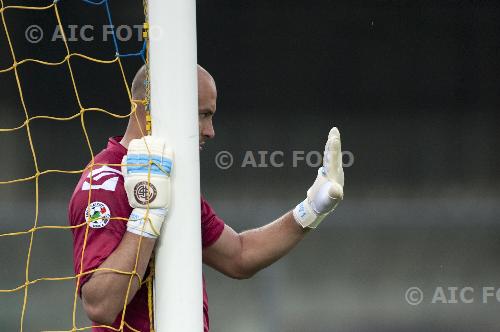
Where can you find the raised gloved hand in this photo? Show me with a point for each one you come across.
(328, 189)
(146, 170)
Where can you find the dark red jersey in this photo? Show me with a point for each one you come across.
(108, 200)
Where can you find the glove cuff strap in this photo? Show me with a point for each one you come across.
(146, 223)
(305, 216)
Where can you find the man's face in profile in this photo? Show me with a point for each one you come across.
(207, 104)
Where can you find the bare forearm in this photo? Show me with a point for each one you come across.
(106, 291)
(263, 246)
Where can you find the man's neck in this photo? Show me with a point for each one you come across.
(129, 136)
(124, 142)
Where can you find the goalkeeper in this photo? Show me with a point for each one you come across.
(128, 192)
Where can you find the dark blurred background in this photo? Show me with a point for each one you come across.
(413, 87)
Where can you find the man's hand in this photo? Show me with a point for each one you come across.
(242, 255)
(146, 170)
(328, 189)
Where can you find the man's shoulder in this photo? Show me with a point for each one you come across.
(205, 207)
(207, 212)
(112, 154)
(101, 181)
(103, 174)
(105, 166)
(211, 225)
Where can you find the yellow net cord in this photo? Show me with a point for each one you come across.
(16, 63)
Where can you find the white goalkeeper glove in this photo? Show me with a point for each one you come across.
(328, 189)
(146, 170)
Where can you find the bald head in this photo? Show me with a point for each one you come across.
(205, 81)
(139, 84)
(207, 100)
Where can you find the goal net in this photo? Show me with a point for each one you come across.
(31, 223)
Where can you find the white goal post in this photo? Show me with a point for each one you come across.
(178, 298)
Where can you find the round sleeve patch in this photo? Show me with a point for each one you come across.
(97, 214)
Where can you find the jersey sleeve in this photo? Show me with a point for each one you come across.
(211, 225)
(104, 231)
